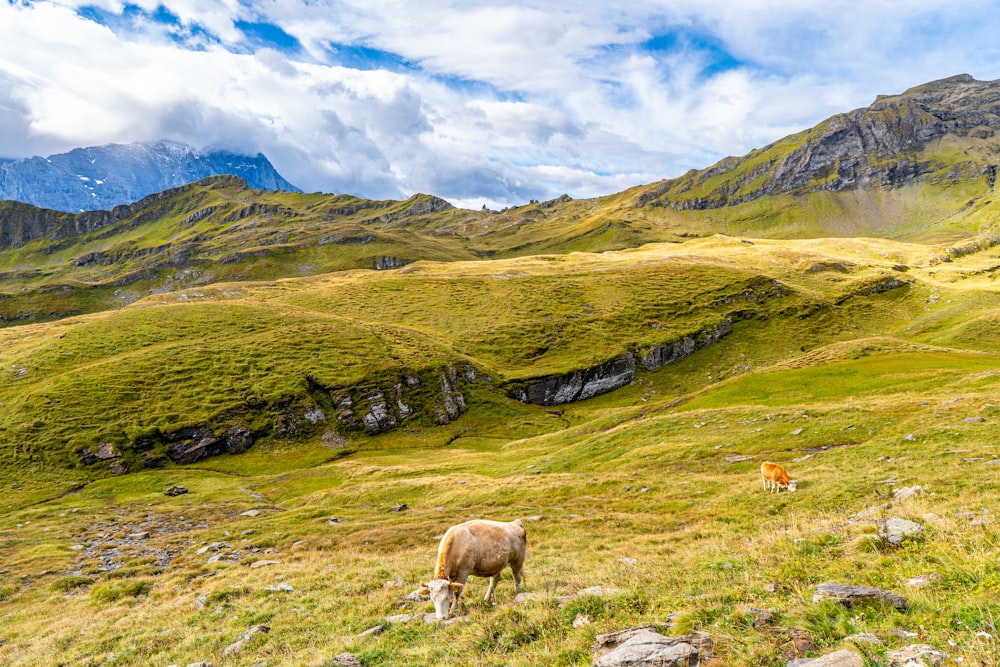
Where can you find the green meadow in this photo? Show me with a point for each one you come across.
(862, 365)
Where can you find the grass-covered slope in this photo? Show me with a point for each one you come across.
(856, 383)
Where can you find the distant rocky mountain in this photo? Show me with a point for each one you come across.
(940, 132)
(102, 177)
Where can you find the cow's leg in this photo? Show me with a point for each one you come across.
(493, 583)
(516, 569)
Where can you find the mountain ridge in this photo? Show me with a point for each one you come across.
(102, 177)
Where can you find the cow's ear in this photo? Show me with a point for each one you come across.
(455, 587)
(423, 590)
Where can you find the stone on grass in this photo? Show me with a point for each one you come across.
(646, 648)
(609, 641)
(245, 638)
(371, 632)
(923, 580)
(280, 588)
(851, 596)
(916, 655)
(344, 660)
(835, 659)
(907, 492)
(581, 620)
(175, 490)
(262, 563)
(896, 530)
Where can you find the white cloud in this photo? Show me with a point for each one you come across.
(488, 102)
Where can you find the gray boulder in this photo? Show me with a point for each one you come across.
(916, 655)
(642, 647)
(895, 530)
(851, 596)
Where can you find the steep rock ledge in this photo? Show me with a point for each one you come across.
(618, 372)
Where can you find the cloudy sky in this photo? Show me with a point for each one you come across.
(477, 101)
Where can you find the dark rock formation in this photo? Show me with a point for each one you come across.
(579, 385)
(193, 444)
(665, 353)
(385, 263)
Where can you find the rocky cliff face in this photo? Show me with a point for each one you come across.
(883, 145)
(102, 177)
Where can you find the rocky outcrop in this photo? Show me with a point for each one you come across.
(385, 263)
(665, 353)
(618, 372)
(436, 395)
(579, 385)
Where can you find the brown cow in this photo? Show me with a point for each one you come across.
(775, 478)
(478, 547)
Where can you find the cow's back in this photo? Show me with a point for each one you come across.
(481, 547)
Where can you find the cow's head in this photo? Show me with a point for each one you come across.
(443, 594)
(791, 484)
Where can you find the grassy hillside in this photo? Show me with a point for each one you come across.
(872, 369)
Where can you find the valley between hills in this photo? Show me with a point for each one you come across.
(334, 381)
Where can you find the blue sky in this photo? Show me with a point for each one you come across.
(480, 102)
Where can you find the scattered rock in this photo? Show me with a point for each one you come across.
(761, 617)
(850, 596)
(974, 420)
(910, 437)
(905, 634)
(201, 601)
(581, 620)
(739, 458)
(797, 431)
(280, 588)
(415, 596)
(773, 587)
(646, 648)
(835, 659)
(803, 458)
(916, 655)
(371, 632)
(521, 598)
(344, 660)
(400, 507)
(262, 563)
(923, 580)
(895, 530)
(627, 561)
(214, 546)
(175, 490)
(799, 645)
(250, 513)
(246, 637)
(906, 492)
(535, 517)
(333, 520)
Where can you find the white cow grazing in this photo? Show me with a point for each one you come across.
(478, 547)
